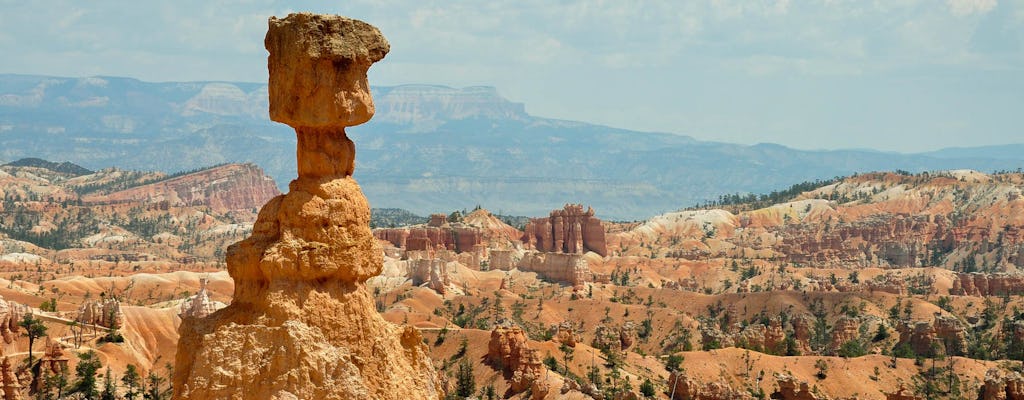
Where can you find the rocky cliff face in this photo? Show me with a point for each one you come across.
(302, 322)
(11, 314)
(224, 188)
(455, 237)
(1000, 385)
(683, 387)
(557, 267)
(979, 284)
(509, 351)
(792, 389)
(570, 230)
(945, 335)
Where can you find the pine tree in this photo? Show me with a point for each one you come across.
(153, 391)
(465, 381)
(131, 381)
(109, 391)
(85, 371)
(34, 329)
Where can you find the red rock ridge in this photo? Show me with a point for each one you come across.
(224, 188)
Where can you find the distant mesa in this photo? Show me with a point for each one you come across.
(424, 108)
(66, 167)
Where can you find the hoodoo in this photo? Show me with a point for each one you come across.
(302, 324)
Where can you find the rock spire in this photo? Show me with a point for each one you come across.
(302, 324)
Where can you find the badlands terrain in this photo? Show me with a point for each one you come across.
(883, 285)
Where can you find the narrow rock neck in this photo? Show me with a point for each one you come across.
(325, 152)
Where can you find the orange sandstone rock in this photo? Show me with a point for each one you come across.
(318, 67)
(302, 324)
(509, 350)
(570, 230)
(792, 389)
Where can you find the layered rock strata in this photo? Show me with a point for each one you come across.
(1001, 385)
(509, 351)
(570, 230)
(792, 389)
(683, 387)
(223, 188)
(455, 237)
(565, 268)
(430, 271)
(980, 284)
(946, 335)
(302, 324)
(11, 314)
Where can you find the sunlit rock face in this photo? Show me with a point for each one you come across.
(302, 324)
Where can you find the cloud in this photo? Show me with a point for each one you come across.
(566, 59)
(962, 8)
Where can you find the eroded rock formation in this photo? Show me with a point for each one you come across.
(455, 237)
(566, 268)
(792, 389)
(430, 271)
(302, 324)
(979, 284)
(9, 382)
(11, 314)
(105, 312)
(199, 305)
(509, 351)
(53, 363)
(1001, 385)
(769, 338)
(945, 335)
(565, 334)
(683, 387)
(570, 230)
(846, 329)
(619, 338)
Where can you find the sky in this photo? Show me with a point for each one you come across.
(891, 75)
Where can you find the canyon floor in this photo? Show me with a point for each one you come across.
(875, 286)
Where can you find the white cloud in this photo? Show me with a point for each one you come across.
(963, 8)
(563, 58)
